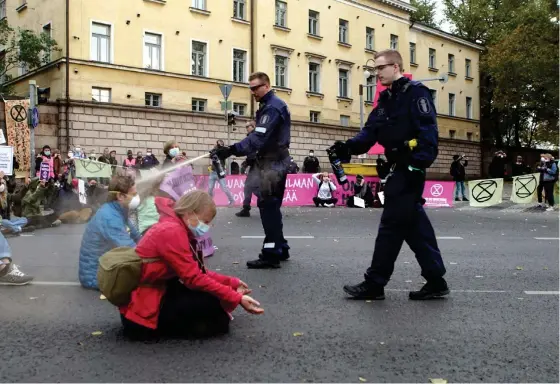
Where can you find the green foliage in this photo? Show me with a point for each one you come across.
(425, 12)
(23, 49)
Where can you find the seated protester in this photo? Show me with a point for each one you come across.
(11, 223)
(10, 274)
(325, 192)
(68, 206)
(361, 190)
(33, 194)
(107, 229)
(178, 296)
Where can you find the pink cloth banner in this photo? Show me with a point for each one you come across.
(438, 194)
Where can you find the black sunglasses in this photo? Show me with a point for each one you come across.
(382, 67)
(255, 87)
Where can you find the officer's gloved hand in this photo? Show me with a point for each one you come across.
(222, 152)
(342, 151)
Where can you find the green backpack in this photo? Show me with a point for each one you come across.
(119, 273)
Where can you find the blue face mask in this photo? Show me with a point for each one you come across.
(200, 230)
(173, 152)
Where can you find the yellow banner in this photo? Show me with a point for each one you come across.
(485, 193)
(524, 189)
(18, 131)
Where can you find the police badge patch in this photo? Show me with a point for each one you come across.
(423, 105)
(264, 119)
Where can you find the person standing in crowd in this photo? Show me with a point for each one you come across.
(252, 181)
(213, 177)
(548, 170)
(404, 123)
(150, 161)
(271, 141)
(129, 164)
(113, 162)
(457, 170)
(497, 169)
(171, 151)
(104, 158)
(325, 190)
(311, 163)
(363, 191)
(45, 157)
(519, 167)
(293, 168)
(57, 164)
(108, 228)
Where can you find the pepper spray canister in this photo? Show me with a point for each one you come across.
(337, 168)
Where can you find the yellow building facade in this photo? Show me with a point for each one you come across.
(174, 54)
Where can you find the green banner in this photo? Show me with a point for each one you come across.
(92, 169)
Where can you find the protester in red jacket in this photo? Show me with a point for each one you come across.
(178, 296)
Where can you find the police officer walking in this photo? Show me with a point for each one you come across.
(252, 180)
(404, 123)
(271, 142)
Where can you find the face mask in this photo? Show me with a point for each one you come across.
(148, 154)
(200, 229)
(70, 155)
(173, 152)
(543, 159)
(77, 150)
(134, 203)
(93, 156)
(47, 153)
(2, 188)
(311, 154)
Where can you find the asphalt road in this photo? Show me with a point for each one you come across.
(500, 323)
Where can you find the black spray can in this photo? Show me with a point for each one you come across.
(217, 166)
(337, 167)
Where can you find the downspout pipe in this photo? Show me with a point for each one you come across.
(67, 112)
(252, 49)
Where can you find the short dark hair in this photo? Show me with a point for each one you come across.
(261, 76)
(119, 184)
(391, 55)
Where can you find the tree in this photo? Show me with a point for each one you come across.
(425, 12)
(22, 49)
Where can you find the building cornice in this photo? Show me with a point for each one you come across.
(446, 36)
(399, 5)
(376, 11)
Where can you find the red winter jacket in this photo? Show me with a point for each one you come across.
(169, 240)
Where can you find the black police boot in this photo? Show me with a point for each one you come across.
(365, 291)
(243, 213)
(285, 254)
(263, 264)
(433, 289)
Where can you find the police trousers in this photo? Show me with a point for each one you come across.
(272, 184)
(251, 187)
(404, 219)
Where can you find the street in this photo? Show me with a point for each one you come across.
(499, 324)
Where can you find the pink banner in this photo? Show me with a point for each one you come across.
(438, 194)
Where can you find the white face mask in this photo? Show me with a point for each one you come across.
(134, 203)
(2, 188)
(70, 155)
(543, 159)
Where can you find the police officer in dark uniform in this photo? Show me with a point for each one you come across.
(271, 142)
(252, 180)
(404, 123)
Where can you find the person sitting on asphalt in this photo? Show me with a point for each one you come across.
(178, 296)
(10, 223)
(107, 229)
(325, 191)
(10, 274)
(361, 190)
(27, 203)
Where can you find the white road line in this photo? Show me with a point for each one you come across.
(57, 283)
(286, 237)
(449, 238)
(345, 237)
(454, 290)
(546, 238)
(541, 292)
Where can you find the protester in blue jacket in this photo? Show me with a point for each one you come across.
(108, 228)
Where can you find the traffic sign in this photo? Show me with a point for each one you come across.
(34, 117)
(226, 90)
(224, 106)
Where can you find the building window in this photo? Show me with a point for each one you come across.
(239, 65)
(47, 30)
(239, 108)
(451, 104)
(2, 9)
(152, 51)
(434, 95)
(432, 58)
(342, 83)
(370, 82)
(394, 43)
(412, 53)
(452, 133)
(314, 116)
(198, 105)
(370, 38)
(198, 58)
(468, 68)
(344, 120)
(451, 63)
(281, 71)
(314, 73)
(153, 100)
(239, 9)
(469, 108)
(313, 23)
(469, 136)
(101, 95)
(199, 4)
(343, 31)
(281, 13)
(100, 42)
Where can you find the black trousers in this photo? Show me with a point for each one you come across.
(548, 187)
(184, 314)
(251, 187)
(404, 219)
(273, 175)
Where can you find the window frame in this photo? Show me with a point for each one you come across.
(469, 107)
(111, 52)
(240, 6)
(310, 21)
(245, 71)
(372, 36)
(100, 89)
(451, 104)
(430, 51)
(151, 96)
(412, 52)
(450, 63)
(346, 94)
(277, 10)
(206, 57)
(237, 105)
(317, 77)
(468, 68)
(286, 71)
(198, 101)
(396, 47)
(161, 49)
(196, 2)
(317, 114)
(343, 31)
(347, 118)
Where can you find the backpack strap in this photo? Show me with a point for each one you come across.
(148, 260)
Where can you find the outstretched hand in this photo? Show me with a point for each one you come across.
(251, 305)
(243, 288)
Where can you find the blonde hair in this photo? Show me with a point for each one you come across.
(195, 202)
(391, 55)
(168, 146)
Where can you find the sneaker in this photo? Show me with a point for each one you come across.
(56, 223)
(434, 289)
(330, 205)
(365, 291)
(15, 276)
(549, 209)
(457, 199)
(263, 264)
(465, 199)
(243, 213)
(231, 202)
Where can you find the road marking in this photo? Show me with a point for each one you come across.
(455, 290)
(541, 292)
(286, 237)
(449, 238)
(57, 283)
(546, 238)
